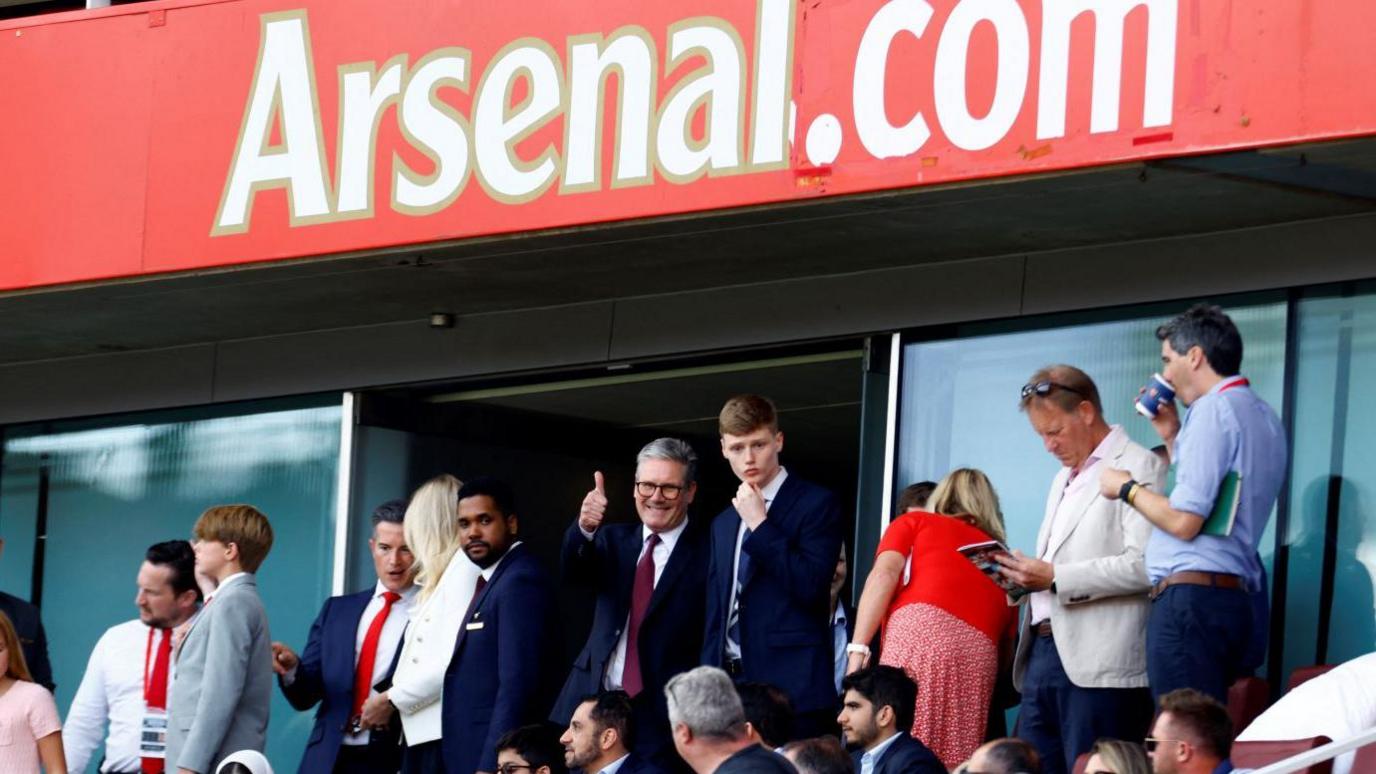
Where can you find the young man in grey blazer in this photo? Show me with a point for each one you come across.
(218, 703)
(1081, 659)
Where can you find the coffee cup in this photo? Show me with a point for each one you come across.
(1156, 394)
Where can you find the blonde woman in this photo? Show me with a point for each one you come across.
(29, 724)
(447, 580)
(947, 625)
(1111, 756)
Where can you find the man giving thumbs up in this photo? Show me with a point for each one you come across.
(648, 578)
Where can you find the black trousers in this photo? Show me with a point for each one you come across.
(424, 758)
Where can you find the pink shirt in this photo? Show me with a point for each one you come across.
(27, 714)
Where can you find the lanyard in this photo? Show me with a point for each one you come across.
(1240, 381)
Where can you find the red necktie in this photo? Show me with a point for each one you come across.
(155, 691)
(363, 676)
(641, 592)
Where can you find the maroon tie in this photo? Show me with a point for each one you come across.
(644, 588)
(363, 676)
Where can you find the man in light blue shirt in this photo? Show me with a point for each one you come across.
(1204, 585)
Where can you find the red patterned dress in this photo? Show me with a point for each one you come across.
(944, 628)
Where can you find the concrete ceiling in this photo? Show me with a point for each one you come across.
(826, 237)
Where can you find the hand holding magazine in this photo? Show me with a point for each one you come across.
(981, 555)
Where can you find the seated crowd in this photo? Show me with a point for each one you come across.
(722, 644)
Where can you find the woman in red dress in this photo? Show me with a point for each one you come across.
(945, 624)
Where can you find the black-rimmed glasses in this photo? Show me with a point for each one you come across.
(647, 489)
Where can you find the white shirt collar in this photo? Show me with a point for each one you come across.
(491, 568)
(875, 752)
(407, 594)
(669, 537)
(771, 490)
(614, 766)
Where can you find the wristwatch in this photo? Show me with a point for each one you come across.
(1125, 490)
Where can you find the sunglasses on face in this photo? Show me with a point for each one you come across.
(1150, 743)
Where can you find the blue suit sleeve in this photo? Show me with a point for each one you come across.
(715, 618)
(308, 689)
(522, 641)
(803, 563)
(580, 559)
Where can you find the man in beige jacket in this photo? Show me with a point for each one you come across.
(1081, 659)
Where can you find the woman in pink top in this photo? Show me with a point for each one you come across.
(29, 727)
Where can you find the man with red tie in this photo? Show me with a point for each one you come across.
(125, 685)
(649, 577)
(351, 650)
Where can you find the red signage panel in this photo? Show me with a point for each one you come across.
(173, 136)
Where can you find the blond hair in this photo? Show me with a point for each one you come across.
(967, 492)
(18, 668)
(431, 526)
(244, 526)
(744, 414)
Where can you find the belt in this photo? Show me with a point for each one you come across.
(1043, 629)
(1218, 580)
(734, 667)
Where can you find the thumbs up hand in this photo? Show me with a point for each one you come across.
(594, 505)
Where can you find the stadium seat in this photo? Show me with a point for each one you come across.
(1247, 698)
(1365, 760)
(1080, 764)
(1254, 755)
(1302, 675)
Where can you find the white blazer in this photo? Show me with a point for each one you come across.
(1099, 610)
(427, 648)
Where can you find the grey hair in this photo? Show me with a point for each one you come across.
(705, 700)
(673, 450)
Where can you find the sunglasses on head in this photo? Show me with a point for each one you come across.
(1044, 387)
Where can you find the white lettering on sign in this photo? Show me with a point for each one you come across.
(727, 112)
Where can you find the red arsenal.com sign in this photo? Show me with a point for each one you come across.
(178, 135)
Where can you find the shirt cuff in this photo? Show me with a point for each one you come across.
(586, 534)
(289, 677)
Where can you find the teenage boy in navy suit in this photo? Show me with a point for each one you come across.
(344, 660)
(648, 576)
(504, 656)
(773, 556)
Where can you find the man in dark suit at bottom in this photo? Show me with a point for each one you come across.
(875, 717)
(32, 639)
(601, 735)
(353, 646)
(709, 728)
(504, 657)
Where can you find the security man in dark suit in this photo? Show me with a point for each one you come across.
(649, 578)
(32, 639)
(504, 656)
(352, 649)
(772, 559)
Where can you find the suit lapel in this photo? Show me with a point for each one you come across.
(628, 554)
(679, 559)
(481, 599)
(204, 611)
(1078, 502)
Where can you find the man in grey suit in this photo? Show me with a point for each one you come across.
(218, 702)
(1081, 659)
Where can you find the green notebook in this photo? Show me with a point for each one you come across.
(1224, 514)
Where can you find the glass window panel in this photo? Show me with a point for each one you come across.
(117, 486)
(1333, 478)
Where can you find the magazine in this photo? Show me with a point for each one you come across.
(981, 555)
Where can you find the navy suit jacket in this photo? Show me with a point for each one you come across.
(634, 765)
(503, 664)
(670, 635)
(33, 641)
(325, 676)
(785, 604)
(905, 756)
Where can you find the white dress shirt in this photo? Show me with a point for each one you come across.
(1087, 476)
(769, 492)
(111, 691)
(427, 647)
(616, 665)
(872, 755)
